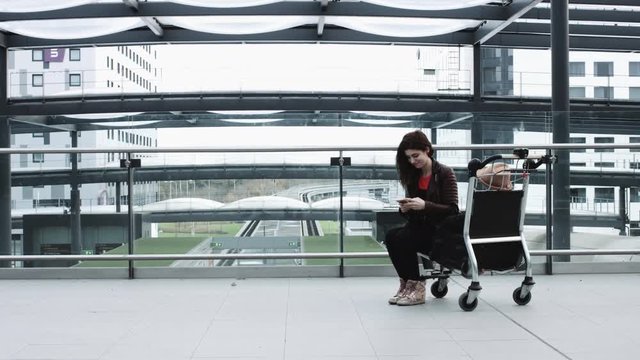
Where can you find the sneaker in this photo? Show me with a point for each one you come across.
(414, 293)
(394, 299)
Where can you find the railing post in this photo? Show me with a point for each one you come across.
(549, 215)
(5, 164)
(130, 164)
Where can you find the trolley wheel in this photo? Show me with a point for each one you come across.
(521, 301)
(462, 301)
(435, 290)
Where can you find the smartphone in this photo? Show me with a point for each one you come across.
(402, 201)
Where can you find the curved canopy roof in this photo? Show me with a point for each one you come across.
(266, 202)
(349, 203)
(510, 23)
(182, 204)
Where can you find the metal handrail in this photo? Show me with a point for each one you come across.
(303, 148)
(327, 255)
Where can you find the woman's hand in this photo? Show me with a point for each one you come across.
(415, 203)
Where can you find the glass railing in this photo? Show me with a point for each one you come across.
(443, 81)
(234, 210)
(291, 68)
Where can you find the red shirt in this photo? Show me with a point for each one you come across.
(423, 182)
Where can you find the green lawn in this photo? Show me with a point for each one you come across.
(329, 243)
(180, 243)
(217, 228)
(162, 245)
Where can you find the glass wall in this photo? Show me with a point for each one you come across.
(247, 186)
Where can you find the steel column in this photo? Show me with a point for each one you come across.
(477, 73)
(5, 164)
(560, 115)
(76, 225)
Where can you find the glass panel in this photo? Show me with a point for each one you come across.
(37, 55)
(604, 68)
(577, 92)
(603, 92)
(203, 202)
(74, 80)
(576, 69)
(578, 140)
(74, 54)
(37, 80)
(603, 140)
(578, 195)
(634, 68)
(634, 140)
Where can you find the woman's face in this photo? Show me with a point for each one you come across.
(417, 158)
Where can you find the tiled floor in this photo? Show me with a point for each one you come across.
(569, 317)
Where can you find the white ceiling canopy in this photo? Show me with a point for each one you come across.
(246, 112)
(70, 28)
(225, 3)
(237, 25)
(94, 116)
(407, 27)
(39, 5)
(378, 122)
(428, 4)
(251, 121)
(388, 113)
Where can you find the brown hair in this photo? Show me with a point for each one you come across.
(415, 140)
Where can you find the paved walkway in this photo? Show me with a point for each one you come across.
(570, 317)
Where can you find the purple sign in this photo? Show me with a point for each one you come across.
(54, 55)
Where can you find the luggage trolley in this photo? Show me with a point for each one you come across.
(494, 222)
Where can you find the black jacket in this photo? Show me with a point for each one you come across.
(441, 198)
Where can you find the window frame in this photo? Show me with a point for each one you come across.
(634, 68)
(73, 76)
(37, 158)
(33, 80)
(73, 51)
(610, 69)
(577, 73)
(37, 58)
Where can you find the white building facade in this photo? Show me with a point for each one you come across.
(77, 71)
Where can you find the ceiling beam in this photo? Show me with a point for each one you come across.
(288, 8)
(617, 16)
(41, 121)
(335, 35)
(307, 34)
(153, 25)
(309, 8)
(296, 101)
(589, 30)
(133, 4)
(514, 11)
(543, 41)
(151, 22)
(602, 2)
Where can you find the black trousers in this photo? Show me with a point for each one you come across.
(403, 245)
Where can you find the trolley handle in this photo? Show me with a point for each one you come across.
(531, 162)
(476, 164)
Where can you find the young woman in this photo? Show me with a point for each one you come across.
(431, 194)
